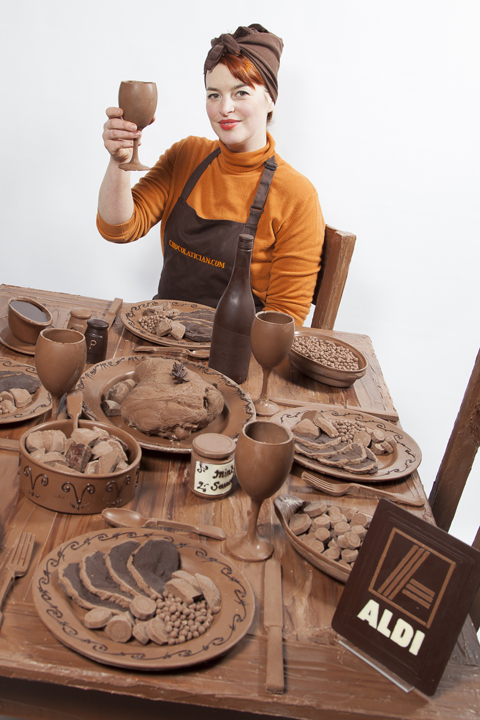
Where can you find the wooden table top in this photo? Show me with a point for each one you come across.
(40, 677)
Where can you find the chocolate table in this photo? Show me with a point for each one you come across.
(41, 678)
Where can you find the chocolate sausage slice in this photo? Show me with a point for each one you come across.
(152, 565)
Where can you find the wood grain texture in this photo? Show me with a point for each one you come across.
(461, 450)
(338, 247)
(41, 678)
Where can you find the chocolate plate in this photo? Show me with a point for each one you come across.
(238, 408)
(8, 339)
(132, 314)
(402, 462)
(41, 398)
(63, 617)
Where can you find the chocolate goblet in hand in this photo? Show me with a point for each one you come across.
(263, 459)
(272, 337)
(138, 100)
(60, 360)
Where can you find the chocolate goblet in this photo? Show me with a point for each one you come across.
(138, 100)
(263, 459)
(60, 360)
(272, 337)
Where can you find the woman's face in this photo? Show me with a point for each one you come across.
(237, 112)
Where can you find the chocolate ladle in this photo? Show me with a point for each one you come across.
(122, 517)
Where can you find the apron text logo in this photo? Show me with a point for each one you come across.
(196, 256)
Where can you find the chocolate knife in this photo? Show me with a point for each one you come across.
(112, 311)
(273, 622)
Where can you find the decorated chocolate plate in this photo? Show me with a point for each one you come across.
(41, 400)
(64, 618)
(199, 320)
(400, 463)
(94, 383)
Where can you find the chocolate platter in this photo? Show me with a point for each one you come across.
(63, 617)
(41, 398)
(238, 409)
(402, 462)
(132, 313)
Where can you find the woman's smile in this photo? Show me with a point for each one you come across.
(229, 124)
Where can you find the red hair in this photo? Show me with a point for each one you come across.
(244, 71)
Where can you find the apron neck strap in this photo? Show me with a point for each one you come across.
(260, 199)
(199, 170)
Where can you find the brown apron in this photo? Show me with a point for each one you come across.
(199, 254)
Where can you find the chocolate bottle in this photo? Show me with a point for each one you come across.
(230, 349)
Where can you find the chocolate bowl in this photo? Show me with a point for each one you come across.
(79, 494)
(25, 318)
(317, 370)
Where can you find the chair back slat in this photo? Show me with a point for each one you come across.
(337, 253)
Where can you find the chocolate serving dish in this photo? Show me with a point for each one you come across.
(81, 494)
(320, 371)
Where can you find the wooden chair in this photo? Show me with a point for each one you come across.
(457, 462)
(336, 255)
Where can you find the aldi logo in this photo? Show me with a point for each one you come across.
(408, 596)
(399, 577)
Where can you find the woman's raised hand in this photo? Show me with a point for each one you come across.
(118, 135)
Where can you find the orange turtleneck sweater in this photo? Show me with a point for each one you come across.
(289, 239)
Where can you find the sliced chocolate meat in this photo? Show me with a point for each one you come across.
(16, 379)
(70, 581)
(323, 446)
(96, 578)
(116, 561)
(197, 332)
(368, 464)
(152, 565)
(350, 453)
(204, 314)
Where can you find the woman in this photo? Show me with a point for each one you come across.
(207, 192)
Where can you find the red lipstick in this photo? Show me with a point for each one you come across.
(228, 124)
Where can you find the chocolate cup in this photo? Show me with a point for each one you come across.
(78, 494)
(24, 328)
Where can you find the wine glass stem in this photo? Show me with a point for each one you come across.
(134, 158)
(266, 376)
(252, 524)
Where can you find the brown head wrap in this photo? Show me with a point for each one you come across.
(258, 45)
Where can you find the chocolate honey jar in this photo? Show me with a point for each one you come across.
(212, 466)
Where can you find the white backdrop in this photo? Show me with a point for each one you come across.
(378, 106)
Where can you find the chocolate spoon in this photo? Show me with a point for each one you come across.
(74, 406)
(122, 517)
